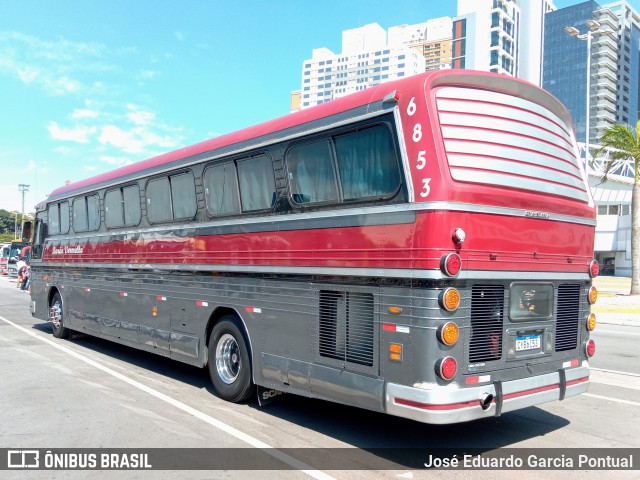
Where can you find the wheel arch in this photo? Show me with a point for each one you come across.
(216, 316)
(52, 291)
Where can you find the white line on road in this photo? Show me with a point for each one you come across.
(617, 372)
(617, 400)
(254, 442)
(617, 332)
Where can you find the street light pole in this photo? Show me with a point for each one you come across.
(594, 29)
(22, 188)
(587, 119)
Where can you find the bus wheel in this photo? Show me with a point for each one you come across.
(229, 364)
(55, 317)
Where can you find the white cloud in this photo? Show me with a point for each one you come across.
(78, 134)
(135, 141)
(121, 139)
(179, 36)
(56, 66)
(80, 113)
(140, 117)
(116, 161)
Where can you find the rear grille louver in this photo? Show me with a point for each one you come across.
(501, 140)
(487, 313)
(568, 317)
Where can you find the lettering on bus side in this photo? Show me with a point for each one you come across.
(417, 156)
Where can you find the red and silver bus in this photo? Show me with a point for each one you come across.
(422, 248)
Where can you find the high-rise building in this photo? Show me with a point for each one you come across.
(432, 39)
(614, 69)
(366, 60)
(501, 36)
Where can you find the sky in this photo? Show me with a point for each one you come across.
(86, 87)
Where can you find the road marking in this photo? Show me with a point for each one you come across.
(615, 371)
(254, 442)
(617, 332)
(617, 400)
(615, 379)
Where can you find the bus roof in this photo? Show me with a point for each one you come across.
(370, 99)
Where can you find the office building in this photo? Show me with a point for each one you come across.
(501, 36)
(366, 60)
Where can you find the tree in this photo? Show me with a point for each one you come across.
(623, 142)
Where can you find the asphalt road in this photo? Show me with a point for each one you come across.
(90, 393)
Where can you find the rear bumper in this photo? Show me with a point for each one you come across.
(442, 405)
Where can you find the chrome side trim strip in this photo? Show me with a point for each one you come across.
(406, 273)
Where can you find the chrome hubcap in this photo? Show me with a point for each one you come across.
(227, 359)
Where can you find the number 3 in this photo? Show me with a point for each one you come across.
(426, 189)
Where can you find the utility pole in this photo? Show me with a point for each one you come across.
(22, 188)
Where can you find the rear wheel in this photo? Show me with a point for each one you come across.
(229, 362)
(56, 317)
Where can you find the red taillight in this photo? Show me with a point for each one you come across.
(451, 264)
(446, 368)
(594, 268)
(590, 348)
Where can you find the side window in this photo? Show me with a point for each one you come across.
(58, 215)
(132, 213)
(86, 213)
(221, 189)
(352, 166)
(80, 215)
(312, 176)
(113, 209)
(158, 200)
(183, 195)
(93, 212)
(122, 207)
(171, 198)
(257, 183)
(64, 217)
(54, 218)
(39, 235)
(367, 163)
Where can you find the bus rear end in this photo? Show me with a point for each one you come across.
(500, 319)
(5, 249)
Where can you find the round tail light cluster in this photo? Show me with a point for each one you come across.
(451, 264)
(593, 295)
(590, 348)
(594, 268)
(446, 368)
(449, 299)
(449, 333)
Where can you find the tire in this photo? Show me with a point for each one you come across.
(229, 361)
(56, 317)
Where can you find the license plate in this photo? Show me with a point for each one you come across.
(527, 342)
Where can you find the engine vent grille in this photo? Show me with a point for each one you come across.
(346, 326)
(568, 317)
(487, 309)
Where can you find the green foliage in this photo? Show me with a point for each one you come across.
(7, 224)
(622, 142)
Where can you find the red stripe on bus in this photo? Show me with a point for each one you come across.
(430, 406)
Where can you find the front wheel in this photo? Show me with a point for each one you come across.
(56, 317)
(229, 363)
